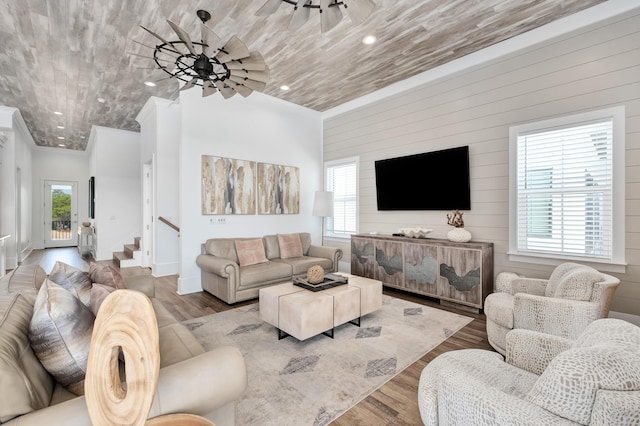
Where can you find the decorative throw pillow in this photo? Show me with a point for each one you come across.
(106, 275)
(73, 280)
(26, 385)
(25, 278)
(250, 252)
(99, 292)
(290, 245)
(60, 335)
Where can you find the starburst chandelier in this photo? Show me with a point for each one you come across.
(229, 67)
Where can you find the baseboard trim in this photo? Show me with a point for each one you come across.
(164, 269)
(189, 285)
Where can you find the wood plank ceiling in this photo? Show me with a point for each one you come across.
(62, 55)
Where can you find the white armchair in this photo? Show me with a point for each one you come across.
(545, 380)
(574, 296)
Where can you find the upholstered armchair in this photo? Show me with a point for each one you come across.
(545, 379)
(574, 296)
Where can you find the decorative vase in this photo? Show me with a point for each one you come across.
(459, 235)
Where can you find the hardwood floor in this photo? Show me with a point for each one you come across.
(395, 403)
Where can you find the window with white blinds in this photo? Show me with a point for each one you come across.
(565, 189)
(342, 180)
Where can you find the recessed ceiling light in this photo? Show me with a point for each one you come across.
(81, 137)
(150, 83)
(61, 145)
(370, 39)
(102, 100)
(60, 127)
(61, 137)
(284, 87)
(57, 112)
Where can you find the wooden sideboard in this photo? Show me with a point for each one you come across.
(459, 274)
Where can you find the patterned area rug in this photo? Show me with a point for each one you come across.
(315, 381)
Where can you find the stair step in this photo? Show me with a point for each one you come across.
(119, 256)
(130, 256)
(130, 248)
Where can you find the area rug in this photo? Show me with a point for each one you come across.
(315, 381)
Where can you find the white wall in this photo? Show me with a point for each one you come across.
(115, 163)
(591, 68)
(15, 205)
(58, 164)
(159, 148)
(258, 128)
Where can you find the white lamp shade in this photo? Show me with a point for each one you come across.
(323, 204)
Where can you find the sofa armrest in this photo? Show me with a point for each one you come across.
(198, 385)
(217, 265)
(535, 286)
(533, 351)
(201, 384)
(560, 317)
(449, 395)
(333, 253)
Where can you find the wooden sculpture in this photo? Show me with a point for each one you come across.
(126, 324)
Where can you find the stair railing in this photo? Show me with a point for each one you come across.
(169, 224)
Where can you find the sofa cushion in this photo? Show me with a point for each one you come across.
(25, 278)
(222, 247)
(106, 275)
(60, 335)
(578, 284)
(250, 252)
(305, 239)
(557, 274)
(271, 246)
(25, 385)
(570, 384)
(299, 265)
(257, 275)
(176, 341)
(99, 292)
(73, 280)
(290, 245)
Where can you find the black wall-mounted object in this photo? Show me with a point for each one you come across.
(92, 197)
(437, 180)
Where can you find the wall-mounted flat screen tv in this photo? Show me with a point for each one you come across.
(437, 180)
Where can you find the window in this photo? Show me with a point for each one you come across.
(342, 180)
(567, 189)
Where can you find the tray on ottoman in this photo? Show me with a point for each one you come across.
(329, 281)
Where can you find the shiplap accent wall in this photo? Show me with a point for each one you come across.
(592, 68)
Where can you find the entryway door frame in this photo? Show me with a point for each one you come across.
(49, 241)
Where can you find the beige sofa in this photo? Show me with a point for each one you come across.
(224, 277)
(190, 381)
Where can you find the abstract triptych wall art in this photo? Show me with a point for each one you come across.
(278, 189)
(228, 186)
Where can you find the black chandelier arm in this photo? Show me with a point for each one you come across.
(313, 6)
(164, 49)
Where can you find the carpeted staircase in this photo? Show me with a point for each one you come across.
(131, 256)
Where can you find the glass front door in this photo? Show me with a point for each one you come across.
(61, 216)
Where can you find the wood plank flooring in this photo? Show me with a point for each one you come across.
(395, 403)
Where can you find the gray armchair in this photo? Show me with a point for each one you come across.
(545, 380)
(564, 305)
